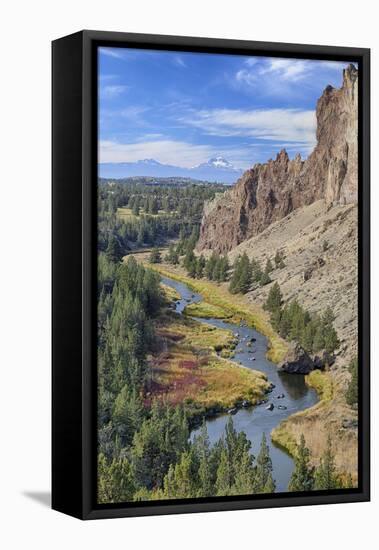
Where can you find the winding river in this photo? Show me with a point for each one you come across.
(256, 420)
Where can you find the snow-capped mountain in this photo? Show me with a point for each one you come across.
(216, 169)
(217, 162)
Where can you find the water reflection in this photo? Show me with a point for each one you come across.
(294, 384)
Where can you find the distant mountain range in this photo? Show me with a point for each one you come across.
(216, 169)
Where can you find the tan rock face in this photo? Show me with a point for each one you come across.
(269, 192)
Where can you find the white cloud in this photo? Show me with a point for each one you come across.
(290, 125)
(112, 91)
(251, 61)
(167, 151)
(287, 69)
(278, 75)
(112, 52)
(179, 61)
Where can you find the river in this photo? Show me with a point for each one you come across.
(256, 420)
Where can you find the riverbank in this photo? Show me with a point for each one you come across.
(188, 368)
(330, 416)
(230, 304)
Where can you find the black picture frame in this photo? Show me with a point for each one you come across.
(74, 175)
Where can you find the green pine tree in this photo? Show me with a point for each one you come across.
(274, 299)
(302, 478)
(155, 256)
(114, 250)
(269, 267)
(326, 476)
(352, 390)
(263, 477)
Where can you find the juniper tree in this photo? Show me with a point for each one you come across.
(269, 267)
(155, 256)
(210, 266)
(263, 477)
(302, 478)
(172, 256)
(279, 260)
(326, 476)
(153, 205)
(274, 299)
(202, 450)
(200, 265)
(114, 250)
(352, 390)
(115, 480)
(221, 269)
(242, 276)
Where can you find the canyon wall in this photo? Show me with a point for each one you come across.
(268, 192)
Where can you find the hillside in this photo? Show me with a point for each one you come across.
(320, 249)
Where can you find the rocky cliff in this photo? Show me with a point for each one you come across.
(268, 192)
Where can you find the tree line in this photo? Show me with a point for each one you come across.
(243, 274)
(293, 322)
(164, 464)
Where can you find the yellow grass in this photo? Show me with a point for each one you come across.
(218, 295)
(196, 334)
(206, 311)
(284, 434)
(322, 382)
(316, 423)
(188, 371)
(170, 293)
(124, 213)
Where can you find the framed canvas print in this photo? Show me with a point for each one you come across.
(210, 275)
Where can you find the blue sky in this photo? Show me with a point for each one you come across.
(184, 108)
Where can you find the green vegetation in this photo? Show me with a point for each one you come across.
(146, 406)
(189, 371)
(226, 468)
(220, 296)
(302, 478)
(114, 251)
(279, 260)
(246, 273)
(313, 332)
(352, 390)
(322, 382)
(155, 256)
(172, 256)
(216, 268)
(325, 475)
(307, 477)
(242, 275)
(135, 213)
(207, 311)
(170, 294)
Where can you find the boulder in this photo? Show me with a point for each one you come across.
(297, 361)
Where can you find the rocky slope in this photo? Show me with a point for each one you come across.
(320, 245)
(269, 192)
